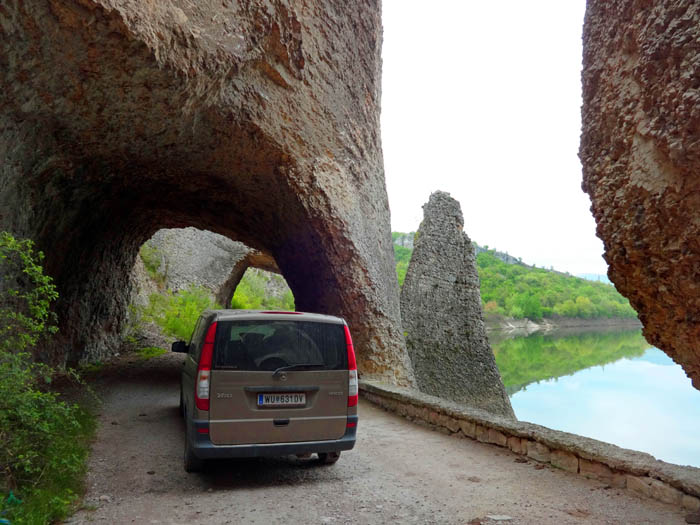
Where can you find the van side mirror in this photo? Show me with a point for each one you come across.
(180, 347)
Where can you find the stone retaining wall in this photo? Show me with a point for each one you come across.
(638, 472)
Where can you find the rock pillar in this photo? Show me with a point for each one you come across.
(442, 317)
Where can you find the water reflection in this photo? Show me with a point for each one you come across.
(609, 386)
(525, 360)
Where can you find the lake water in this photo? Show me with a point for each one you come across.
(611, 386)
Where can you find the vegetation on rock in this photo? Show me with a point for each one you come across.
(153, 260)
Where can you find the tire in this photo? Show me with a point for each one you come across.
(191, 462)
(328, 458)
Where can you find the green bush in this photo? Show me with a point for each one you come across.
(43, 440)
(402, 256)
(43, 443)
(25, 295)
(177, 313)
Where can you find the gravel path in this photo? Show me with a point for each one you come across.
(399, 472)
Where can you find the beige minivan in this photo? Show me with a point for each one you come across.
(258, 383)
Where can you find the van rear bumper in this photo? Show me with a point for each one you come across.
(203, 448)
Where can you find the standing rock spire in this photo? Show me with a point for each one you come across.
(442, 317)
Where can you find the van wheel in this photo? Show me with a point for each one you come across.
(328, 458)
(192, 463)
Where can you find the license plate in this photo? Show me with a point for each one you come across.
(282, 400)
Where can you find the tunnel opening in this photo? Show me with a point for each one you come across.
(263, 290)
(180, 272)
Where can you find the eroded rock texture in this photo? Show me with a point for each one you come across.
(188, 256)
(640, 151)
(256, 120)
(441, 313)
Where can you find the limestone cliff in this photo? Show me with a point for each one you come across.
(640, 150)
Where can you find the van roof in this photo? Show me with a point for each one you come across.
(270, 315)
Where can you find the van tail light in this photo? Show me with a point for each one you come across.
(201, 387)
(352, 370)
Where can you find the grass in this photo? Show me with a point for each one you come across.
(150, 351)
(91, 368)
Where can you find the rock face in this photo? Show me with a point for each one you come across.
(188, 256)
(441, 313)
(640, 150)
(256, 120)
(502, 256)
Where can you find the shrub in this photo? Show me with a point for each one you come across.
(43, 443)
(43, 440)
(25, 295)
(177, 313)
(153, 260)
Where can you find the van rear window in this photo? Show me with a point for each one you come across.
(269, 345)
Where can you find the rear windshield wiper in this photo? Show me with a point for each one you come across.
(300, 366)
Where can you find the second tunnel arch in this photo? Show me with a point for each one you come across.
(182, 257)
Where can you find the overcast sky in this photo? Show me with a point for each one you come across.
(482, 99)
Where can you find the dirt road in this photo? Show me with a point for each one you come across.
(398, 473)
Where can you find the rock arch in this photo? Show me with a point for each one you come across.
(252, 259)
(256, 121)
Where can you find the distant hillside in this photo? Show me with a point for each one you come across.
(510, 288)
(598, 277)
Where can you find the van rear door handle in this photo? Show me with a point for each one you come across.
(280, 422)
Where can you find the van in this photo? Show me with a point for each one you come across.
(260, 383)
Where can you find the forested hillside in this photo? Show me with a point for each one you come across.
(519, 291)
